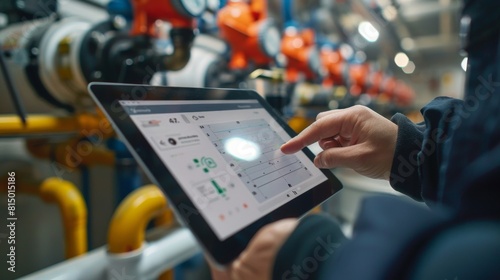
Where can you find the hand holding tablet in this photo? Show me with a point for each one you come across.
(216, 155)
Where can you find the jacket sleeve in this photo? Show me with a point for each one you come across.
(388, 234)
(418, 155)
(310, 246)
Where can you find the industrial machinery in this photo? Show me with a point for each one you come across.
(48, 61)
(58, 57)
(302, 56)
(253, 37)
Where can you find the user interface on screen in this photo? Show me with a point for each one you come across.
(226, 156)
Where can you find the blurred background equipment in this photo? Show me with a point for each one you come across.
(80, 191)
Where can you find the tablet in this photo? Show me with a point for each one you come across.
(216, 155)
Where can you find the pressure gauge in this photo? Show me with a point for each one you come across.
(190, 8)
(269, 38)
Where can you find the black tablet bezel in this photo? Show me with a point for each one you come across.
(108, 95)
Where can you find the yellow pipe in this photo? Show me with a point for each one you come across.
(73, 210)
(128, 224)
(72, 153)
(165, 218)
(11, 125)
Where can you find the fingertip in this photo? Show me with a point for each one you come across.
(286, 149)
(283, 149)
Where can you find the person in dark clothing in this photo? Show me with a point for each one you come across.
(451, 162)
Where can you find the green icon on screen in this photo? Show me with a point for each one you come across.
(206, 163)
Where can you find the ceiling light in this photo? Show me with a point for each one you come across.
(368, 31)
(464, 63)
(401, 59)
(410, 68)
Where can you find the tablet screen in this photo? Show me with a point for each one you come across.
(226, 156)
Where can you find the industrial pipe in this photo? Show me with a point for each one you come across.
(44, 124)
(166, 218)
(182, 41)
(132, 217)
(174, 248)
(73, 211)
(72, 153)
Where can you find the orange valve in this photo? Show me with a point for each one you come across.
(333, 62)
(252, 36)
(301, 53)
(180, 13)
(358, 74)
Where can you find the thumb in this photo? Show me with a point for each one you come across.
(338, 157)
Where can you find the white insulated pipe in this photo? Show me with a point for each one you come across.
(147, 263)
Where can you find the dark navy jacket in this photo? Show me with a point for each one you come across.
(451, 162)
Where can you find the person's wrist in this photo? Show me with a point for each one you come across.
(391, 149)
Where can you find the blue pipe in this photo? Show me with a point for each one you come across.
(122, 8)
(287, 10)
(127, 176)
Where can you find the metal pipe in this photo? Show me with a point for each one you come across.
(287, 11)
(84, 123)
(128, 224)
(72, 154)
(14, 93)
(151, 261)
(132, 216)
(73, 211)
(182, 41)
(157, 256)
(166, 219)
(127, 175)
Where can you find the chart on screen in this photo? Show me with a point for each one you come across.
(252, 149)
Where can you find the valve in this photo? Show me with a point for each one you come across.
(253, 37)
(358, 74)
(180, 13)
(301, 54)
(334, 65)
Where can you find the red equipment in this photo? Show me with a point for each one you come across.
(252, 36)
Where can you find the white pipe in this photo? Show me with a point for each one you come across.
(154, 258)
